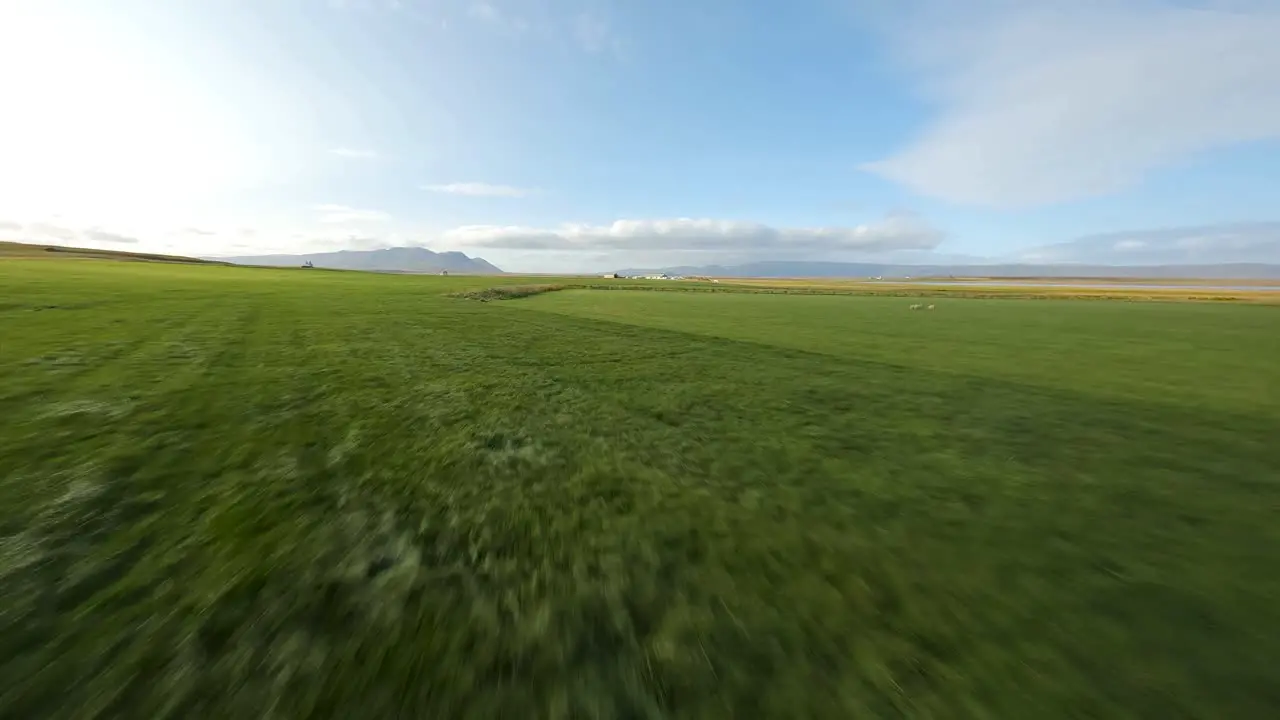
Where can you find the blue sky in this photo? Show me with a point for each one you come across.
(577, 135)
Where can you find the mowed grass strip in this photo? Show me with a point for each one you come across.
(233, 492)
(1235, 291)
(1208, 354)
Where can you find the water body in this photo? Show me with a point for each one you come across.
(1088, 285)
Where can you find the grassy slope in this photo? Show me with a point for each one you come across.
(10, 250)
(230, 491)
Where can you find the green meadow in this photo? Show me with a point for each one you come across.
(239, 492)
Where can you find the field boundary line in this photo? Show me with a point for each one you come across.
(515, 292)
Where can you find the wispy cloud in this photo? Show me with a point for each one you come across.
(589, 31)
(484, 11)
(61, 233)
(51, 230)
(499, 18)
(353, 153)
(686, 234)
(334, 214)
(1257, 242)
(480, 189)
(1047, 100)
(96, 235)
(367, 4)
(594, 34)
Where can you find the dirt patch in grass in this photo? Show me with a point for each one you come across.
(510, 292)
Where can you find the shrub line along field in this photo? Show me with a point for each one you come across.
(243, 492)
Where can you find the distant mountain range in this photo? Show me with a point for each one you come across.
(783, 269)
(414, 259)
(397, 259)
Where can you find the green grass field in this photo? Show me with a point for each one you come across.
(232, 492)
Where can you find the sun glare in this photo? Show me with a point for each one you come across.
(95, 126)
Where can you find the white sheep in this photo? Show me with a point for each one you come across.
(915, 307)
(929, 308)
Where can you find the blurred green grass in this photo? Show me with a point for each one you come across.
(280, 493)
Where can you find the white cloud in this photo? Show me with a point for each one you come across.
(1049, 100)
(897, 239)
(902, 232)
(353, 153)
(479, 189)
(334, 214)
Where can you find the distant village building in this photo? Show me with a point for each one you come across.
(612, 276)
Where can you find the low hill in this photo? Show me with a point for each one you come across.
(396, 259)
(14, 249)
